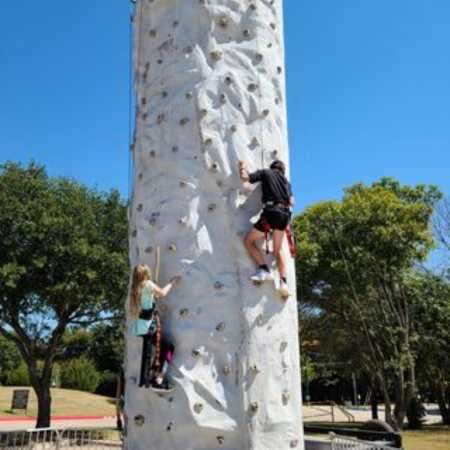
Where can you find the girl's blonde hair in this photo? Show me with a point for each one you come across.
(141, 274)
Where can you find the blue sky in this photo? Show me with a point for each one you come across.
(368, 91)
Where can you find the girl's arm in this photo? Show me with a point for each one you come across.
(163, 292)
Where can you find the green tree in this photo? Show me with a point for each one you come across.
(355, 259)
(10, 358)
(63, 262)
(106, 347)
(80, 374)
(432, 325)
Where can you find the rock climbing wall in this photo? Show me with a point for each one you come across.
(210, 91)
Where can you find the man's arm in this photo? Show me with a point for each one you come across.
(243, 171)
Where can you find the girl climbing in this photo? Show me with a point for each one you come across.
(157, 352)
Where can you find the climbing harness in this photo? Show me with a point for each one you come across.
(267, 228)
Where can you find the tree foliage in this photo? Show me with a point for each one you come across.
(10, 359)
(80, 374)
(63, 261)
(354, 264)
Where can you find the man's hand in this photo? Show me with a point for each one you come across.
(243, 172)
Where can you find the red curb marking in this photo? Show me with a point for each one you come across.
(28, 418)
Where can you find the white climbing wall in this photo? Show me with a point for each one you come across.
(210, 90)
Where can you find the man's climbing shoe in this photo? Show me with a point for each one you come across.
(283, 289)
(260, 276)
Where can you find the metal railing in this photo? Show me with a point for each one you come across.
(60, 439)
(327, 409)
(348, 443)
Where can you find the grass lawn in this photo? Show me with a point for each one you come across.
(432, 437)
(65, 402)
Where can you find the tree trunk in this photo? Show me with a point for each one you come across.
(210, 92)
(404, 394)
(444, 403)
(374, 404)
(44, 404)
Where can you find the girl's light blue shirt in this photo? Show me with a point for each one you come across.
(140, 327)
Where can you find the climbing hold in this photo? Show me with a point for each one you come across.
(220, 326)
(188, 50)
(228, 80)
(246, 33)
(189, 95)
(279, 69)
(207, 141)
(175, 23)
(212, 207)
(259, 57)
(220, 440)
(218, 285)
(172, 247)
(252, 7)
(175, 148)
(283, 346)
(144, 116)
(140, 207)
(139, 420)
(159, 61)
(219, 183)
(203, 112)
(148, 249)
(285, 398)
(260, 320)
(143, 101)
(216, 55)
(184, 312)
(164, 94)
(198, 408)
(184, 121)
(273, 26)
(140, 176)
(252, 87)
(183, 183)
(294, 443)
(223, 22)
(152, 33)
(196, 353)
(233, 128)
(184, 220)
(266, 112)
(226, 370)
(134, 233)
(274, 153)
(254, 407)
(169, 427)
(160, 119)
(254, 142)
(152, 153)
(215, 166)
(223, 98)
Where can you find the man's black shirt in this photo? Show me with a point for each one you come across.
(275, 186)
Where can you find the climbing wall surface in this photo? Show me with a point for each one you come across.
(210, 91)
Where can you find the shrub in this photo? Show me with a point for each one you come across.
(108, 384)
(18, 376)
(80, 374)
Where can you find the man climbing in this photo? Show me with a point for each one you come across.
(277, 200)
